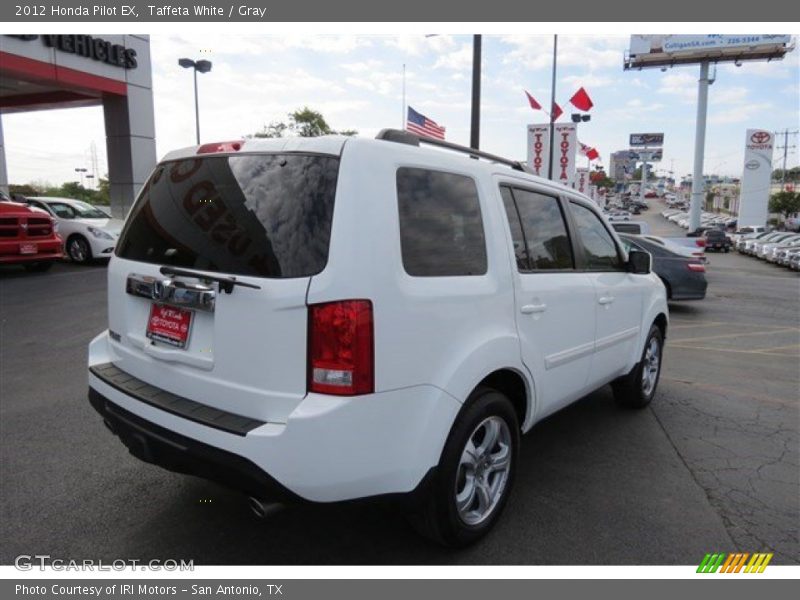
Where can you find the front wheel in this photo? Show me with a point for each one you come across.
(475, 473)
(638, 387)
(79, 250)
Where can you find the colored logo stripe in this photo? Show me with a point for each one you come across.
(734, 562)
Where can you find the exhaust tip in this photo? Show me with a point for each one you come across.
(262, 509)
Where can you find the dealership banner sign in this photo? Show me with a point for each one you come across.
(647, 139)
(756, 177)
(582, 180)
(565, 150)
(539, 148)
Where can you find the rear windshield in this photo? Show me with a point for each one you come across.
(265, 215)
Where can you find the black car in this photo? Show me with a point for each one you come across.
(684, 277)
(717, 240)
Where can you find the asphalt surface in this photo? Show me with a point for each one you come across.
(712, 465)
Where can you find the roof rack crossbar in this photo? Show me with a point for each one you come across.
(405, 137)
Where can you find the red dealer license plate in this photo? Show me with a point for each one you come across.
(169, 325)
(28, 248)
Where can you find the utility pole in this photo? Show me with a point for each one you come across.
(786, 133)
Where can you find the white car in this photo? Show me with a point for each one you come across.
(332, 318)
(88, 232)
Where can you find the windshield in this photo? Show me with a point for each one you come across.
(265, 215)
(84, 210)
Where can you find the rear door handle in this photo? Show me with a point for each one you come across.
(605, 299)
(529, 309)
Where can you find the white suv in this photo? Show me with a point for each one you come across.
(333, 318)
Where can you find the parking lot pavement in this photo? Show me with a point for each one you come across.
(711, 466)
(730, 395)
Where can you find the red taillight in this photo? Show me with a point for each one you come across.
(696, 267)
(220, 147)
(700, 242)
(340, 348)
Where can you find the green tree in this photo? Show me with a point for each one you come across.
(709, 200)
(304, 122)
(785, 203)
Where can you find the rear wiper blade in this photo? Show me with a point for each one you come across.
(226, 284)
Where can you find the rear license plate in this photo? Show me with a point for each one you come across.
(28, 248)
(169, 325)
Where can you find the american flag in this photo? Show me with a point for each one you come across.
(422, 125)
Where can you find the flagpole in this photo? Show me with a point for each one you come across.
(552, 106)
(403, 116)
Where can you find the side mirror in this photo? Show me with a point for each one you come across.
(639, 261)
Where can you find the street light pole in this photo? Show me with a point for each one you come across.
(204, 66)
(552, 106)
(475, 130)
(196, 110)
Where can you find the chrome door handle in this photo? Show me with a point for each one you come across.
(529, 309)
(605, 299)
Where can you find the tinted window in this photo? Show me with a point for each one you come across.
(517, 237)
(598, 246)
(260, 215)
(544, 229)
(441, 231)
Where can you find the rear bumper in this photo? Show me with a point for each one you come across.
(330, 449)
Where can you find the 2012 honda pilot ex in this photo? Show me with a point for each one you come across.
(327, 319)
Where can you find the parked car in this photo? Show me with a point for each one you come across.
(281, 332)
(794, 261)
(619, 215)
(88, 232)
(749, 245)
(762, 250)
(742, 240)
(684, 277)
(754, 248)
(28, 237)
(717, 240)
(780, 252)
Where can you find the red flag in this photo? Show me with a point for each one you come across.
(588, 151)
(581, 100)
(557, 112)
(534, 104)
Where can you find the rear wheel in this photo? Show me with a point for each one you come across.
(638, 387)
(79, 250)
(475, 473)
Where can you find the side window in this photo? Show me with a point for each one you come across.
(598, 245)
(63, 211)
(544, 230)
(441, 230)
(517, 236)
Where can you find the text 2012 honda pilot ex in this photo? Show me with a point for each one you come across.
(327, 319)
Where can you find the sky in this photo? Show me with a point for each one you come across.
(355, 81)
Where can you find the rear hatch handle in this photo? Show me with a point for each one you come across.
(226, 284)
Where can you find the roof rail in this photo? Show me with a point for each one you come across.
(405, 137)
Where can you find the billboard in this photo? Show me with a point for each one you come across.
(565, 137)
(756, 177)
(647, 139)
(666, 50)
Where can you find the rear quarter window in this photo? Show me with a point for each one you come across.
(264, 215)
(441, 229)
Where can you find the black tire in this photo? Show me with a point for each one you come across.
(439, 518)
(79, 250)
(38, 267)
(632, 391)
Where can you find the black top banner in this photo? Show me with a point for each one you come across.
(131, 11)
